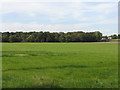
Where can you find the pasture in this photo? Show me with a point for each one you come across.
(60, 65)
(114, 40)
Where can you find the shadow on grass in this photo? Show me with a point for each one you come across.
(32, 53)
(55, 67)
(47, 86)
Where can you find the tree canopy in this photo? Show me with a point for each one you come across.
(51, 36)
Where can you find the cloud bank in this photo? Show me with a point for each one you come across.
(59, 16)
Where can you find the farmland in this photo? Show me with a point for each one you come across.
(60, 65)
(115, 40)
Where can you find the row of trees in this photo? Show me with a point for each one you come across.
(51, 37)
(107, 38)
(115, 36)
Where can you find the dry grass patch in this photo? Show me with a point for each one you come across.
(21, 55)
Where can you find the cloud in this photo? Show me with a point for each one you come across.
(59, 0)
(12, 27)
(83, 16)
(60, 11)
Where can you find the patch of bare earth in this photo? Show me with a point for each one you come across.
(21, 55)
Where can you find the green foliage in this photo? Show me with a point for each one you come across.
(30, 38)
(51, 37)
(114, 36)
(60, 65)
(118, 36)
(105, 39)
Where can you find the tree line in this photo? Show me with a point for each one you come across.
(78, 36)
(107, 38)
(115, 36)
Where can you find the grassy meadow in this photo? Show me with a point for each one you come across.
(114, 40)
(60, 65)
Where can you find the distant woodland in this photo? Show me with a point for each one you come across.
(55, 37)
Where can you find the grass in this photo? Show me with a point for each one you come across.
(60, 65)
(114, 40)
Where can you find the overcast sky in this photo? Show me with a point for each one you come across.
(59, 15)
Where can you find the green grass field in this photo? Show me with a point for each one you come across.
(60, 65)
(114, 40)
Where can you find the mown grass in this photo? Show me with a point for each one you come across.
(60, 65)
(114, 40)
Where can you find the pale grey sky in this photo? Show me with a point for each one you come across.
(60, 16)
